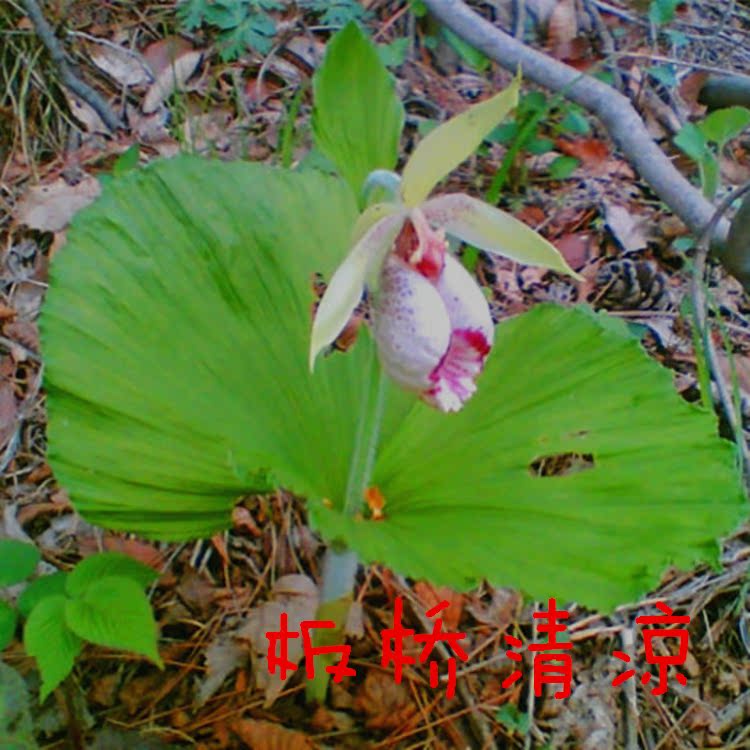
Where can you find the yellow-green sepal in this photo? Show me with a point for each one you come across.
(494, 231)
(444, 148)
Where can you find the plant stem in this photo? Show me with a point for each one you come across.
(340, 563)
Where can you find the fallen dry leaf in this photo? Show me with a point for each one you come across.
(127, 67)
(429, 596)
(8, 412)
(628, 229)
(173, 60)
(386, 704)
(85, 113)
(265, 735)
(577, 248)
(297, 596)
(592, 152)
(23, 332)
(562, 29)
(50, 207)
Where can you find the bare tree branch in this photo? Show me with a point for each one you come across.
(69, 78)
(614, 110)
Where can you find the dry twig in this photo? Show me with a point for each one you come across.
(698, 296)
(612, 108)
(69, 78)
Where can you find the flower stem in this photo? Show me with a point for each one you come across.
(340, 563)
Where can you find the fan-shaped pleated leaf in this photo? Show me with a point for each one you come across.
(463, 501)
(176, 335)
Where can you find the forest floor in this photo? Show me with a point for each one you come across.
(569, 182)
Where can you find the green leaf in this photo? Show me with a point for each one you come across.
(104, 564)
(691, 141)
(393, 54)
(8, 620)
(48, 639)
(127, 160)
(461, 503)
(449, 144)
(16, 723)
(114, 612)
(562, 167)
(19, 561)
(538, 146)
(178, 380)
(724, 124)
(157, 436)
(357, 118)
(41, 588)
(466, 52)
(513, 719)
(575, 122)
(661, 12)
(664, 74)
(710, 175)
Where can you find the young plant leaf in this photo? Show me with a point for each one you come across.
(114, 612)
(724, 124)
(691, 141)
(106, 564)
(469, 504)
(8, 620)
(41, 588)
(445, 147)
(48, 639)
(357, 117)
(18, 560)
(16, 723)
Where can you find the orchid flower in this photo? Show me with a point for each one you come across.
(430, 320)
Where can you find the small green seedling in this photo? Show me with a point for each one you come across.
(537, 122)
(704, 141)
(101, 601)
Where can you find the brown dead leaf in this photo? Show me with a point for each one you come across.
(8, 412)
(172, 60)
(562, 29)
(297, 596)
(627, 228)
(126, 66)
(50, 207)
(430, 595)
(592, 152)
(503, 608)
(265, 735)
(6, 312)
(85, 113)
(577, 248)
(386, 704)
(23, 332)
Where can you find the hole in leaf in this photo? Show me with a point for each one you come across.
(561, 464)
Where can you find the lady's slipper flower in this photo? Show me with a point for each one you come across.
(430, 319)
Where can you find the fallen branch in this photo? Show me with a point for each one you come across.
(698, 295)
(614, 110)
(89, 95)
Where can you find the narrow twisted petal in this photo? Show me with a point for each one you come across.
(410, 325)
(348, 282)
(472, 334)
